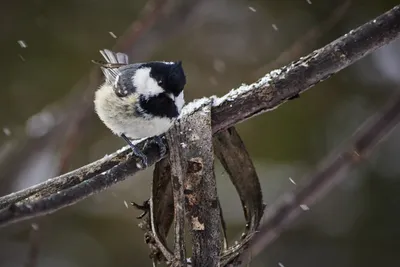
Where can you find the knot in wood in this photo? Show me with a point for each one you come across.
(195, 165)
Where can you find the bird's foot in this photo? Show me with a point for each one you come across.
(159, 142)
(136, 151)
(145, 208)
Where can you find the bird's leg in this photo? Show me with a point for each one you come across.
(159, 142)
(136, 151)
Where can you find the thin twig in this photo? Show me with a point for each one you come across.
(237, 106)
(34, 246)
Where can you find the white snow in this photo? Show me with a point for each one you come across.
(244, 88)
(304, 207)
(195, 105)
(22, 44)
(6, 131)
(113, 35)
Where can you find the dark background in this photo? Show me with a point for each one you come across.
(222, 44)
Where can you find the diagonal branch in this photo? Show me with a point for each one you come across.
(241, 104)
(292, 204)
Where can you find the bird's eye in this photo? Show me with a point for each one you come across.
(160, 82)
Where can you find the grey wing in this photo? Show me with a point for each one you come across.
(111, 74)
(124, 84)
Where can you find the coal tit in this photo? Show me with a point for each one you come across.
(139, 100)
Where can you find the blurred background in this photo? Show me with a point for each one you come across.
(48, 126)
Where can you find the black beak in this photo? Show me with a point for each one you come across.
(176, 67)
(176, 76)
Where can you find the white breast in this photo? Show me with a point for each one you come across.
(119, 115)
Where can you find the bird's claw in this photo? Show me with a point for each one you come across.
(145, 207)
(136, 151)
(159, 142)
(144, 160)
(140, 155)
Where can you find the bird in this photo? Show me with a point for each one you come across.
(139, 100)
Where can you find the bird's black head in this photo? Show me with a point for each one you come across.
(169, 75)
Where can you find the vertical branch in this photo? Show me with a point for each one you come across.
(203, 210)
(178, 172)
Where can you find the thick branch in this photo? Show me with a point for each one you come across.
(237, 106)
(203, 210)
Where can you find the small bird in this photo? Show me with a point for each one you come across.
(139, 100)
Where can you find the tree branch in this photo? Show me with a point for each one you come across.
(202, 205)
(179, 166)
(238, 105)
(291, 205)
(160, 211)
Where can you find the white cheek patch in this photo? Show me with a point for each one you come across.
(179, 102)
(145, 85)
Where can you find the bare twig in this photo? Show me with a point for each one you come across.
(292, 204)
(223, 226)
(33, 247)
(237, 106)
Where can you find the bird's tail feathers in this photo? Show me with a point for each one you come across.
(114, 58)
